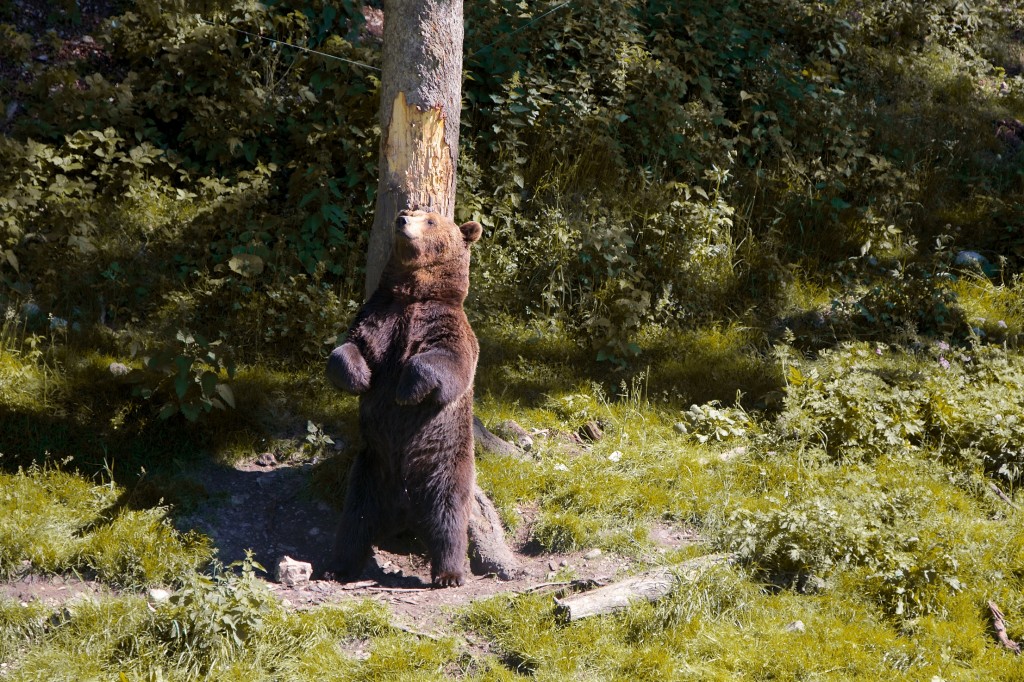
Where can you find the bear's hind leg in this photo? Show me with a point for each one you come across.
(443, 513)
(360, 521)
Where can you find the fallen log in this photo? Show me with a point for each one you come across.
(650, 586)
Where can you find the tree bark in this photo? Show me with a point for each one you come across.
(420, 102)
(488, 552)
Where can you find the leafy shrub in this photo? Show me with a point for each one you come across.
(186, 376)
(895, 541)
(712, 422)
(854, 410)
(211, 618)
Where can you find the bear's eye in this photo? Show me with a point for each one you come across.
(430, 222)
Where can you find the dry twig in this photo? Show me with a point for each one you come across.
(1003, 496)
(999, 623)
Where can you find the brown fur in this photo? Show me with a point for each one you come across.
(411, 355)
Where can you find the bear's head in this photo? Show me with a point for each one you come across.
(430, 256)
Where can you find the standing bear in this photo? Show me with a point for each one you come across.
(410, 356)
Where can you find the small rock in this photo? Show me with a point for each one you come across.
(813, 584)
(561, 467)
(591, 431)
(974, 259)
(680, 427)
(732, 454)
(592, 554)
(313, 532)
(615, 456)
(552, 565)
(42, 58)
(563, 563)
(266, 459)
(88, 40)
(291, 572)
(158, 595)
(796, 626)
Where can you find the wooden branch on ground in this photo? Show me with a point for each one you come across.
(413, 631)
(650, 586)
(581, 583)
(1003, 496)
(489, 554)
(999, 623)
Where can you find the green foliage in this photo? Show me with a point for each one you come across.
(712, 422)
(186, 376)
(860, 402)
(213, 617)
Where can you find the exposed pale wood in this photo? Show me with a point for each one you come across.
(650, 586)
(420, 104)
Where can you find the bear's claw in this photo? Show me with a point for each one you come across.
(450, 579)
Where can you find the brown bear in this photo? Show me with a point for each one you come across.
(410, 356)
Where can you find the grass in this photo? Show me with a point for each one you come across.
(60, 522)
(858, 501)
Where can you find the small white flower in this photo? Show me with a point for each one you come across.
(615, 456)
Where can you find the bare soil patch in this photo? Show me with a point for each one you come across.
(271, 511)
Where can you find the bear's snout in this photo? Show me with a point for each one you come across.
(410, 227)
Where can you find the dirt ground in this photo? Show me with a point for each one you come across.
(269, 510)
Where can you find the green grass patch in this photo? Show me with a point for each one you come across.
(60, 522)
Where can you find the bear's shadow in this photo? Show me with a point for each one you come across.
(271, 512)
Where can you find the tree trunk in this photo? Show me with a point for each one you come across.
(420, 102)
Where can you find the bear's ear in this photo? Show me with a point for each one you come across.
(471, 231)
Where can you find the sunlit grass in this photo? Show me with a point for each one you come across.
(60, 522)
(860, 508)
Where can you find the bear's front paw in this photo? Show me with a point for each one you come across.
(347, 369)
(416, 382)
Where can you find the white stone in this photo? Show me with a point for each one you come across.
(291, 572)
(159, 595)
